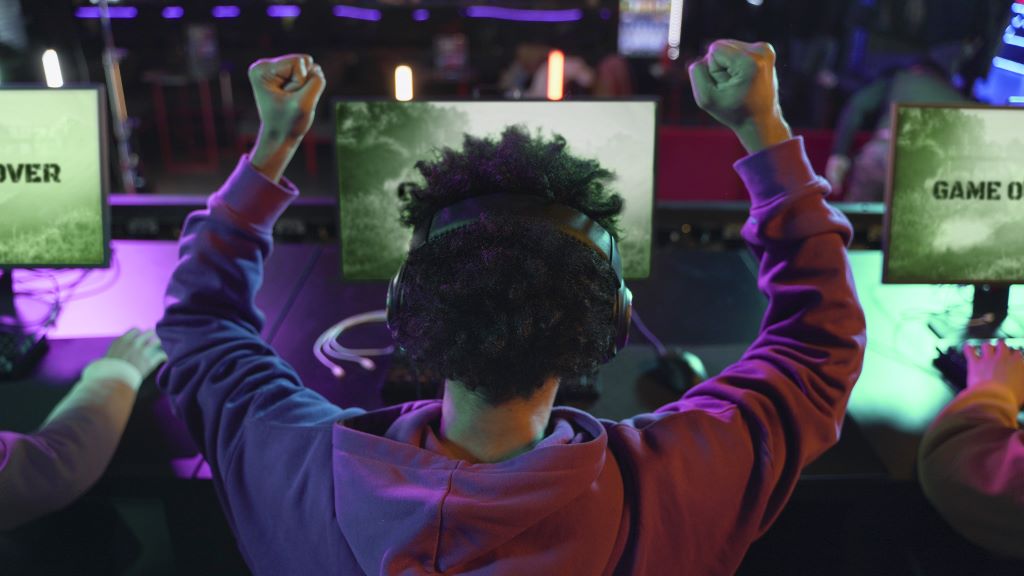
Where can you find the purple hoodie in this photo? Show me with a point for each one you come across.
(310, 488)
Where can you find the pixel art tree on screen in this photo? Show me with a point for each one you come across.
(379, 144)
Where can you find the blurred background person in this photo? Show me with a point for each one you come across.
(924, 81)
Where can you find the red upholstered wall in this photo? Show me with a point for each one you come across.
(696, 163)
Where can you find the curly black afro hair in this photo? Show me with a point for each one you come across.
(505, 303)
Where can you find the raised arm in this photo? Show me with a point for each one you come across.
(47, 470)
(220, 374)
(723, 460)
(971, 460)
(792, 385)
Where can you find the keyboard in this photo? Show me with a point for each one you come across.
(20, 351)
(953, 365)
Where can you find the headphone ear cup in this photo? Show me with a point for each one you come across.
(395, 295)
(624, 317)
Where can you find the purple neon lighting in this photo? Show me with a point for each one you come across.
(283, 11)
(356, 13)
(114, 11)
(172, 12)
(519, 15)
(421, 14)
(226, 11)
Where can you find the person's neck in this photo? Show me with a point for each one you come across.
(476, 431)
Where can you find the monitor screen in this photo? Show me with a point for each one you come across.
(1012, 49)
(53, 206)
(379, 143)
(643, 27)
(955, 201)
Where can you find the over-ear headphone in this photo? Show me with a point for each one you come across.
(560, 216)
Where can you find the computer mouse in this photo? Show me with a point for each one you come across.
(679, 370)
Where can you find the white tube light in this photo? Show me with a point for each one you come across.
(675, 28)
(403, 83)
(51, 67)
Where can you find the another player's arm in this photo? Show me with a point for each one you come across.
(49, 469)
(971, 460)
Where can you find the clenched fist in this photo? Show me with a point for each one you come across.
(736, 83)
(287, 90)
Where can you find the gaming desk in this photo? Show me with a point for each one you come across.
(705, 301)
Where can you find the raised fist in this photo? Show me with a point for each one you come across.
(287, 89)
(736, 83)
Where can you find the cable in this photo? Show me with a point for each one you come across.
(49, 318)
(62, 293)
(648, 334)
(329, 352)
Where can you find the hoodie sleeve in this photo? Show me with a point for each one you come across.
(719, 464)
(220, 374)
(971, 467)
(45, 471)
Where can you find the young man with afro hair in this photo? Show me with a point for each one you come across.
(492, 479)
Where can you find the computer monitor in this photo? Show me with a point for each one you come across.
(955, 203)
(53, 178)
(53, 204)
(644, 27)
(379, 143)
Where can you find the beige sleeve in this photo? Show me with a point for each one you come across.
(47, 470)
(971, 468)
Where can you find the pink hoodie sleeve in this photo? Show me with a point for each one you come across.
(971, 467)
(710, 472)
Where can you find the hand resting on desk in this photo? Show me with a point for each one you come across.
(45, 471)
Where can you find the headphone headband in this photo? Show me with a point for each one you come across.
(565, 218)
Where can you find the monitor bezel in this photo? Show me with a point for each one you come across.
(887, 278)
(335, 102)
(101, 101)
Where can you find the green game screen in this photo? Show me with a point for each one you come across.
(956, 203)
(52, 200)
(379, 143)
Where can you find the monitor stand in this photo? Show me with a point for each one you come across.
(8, 313)
(990, 309)
(21, 347)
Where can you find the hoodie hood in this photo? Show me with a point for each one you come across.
(407, 508)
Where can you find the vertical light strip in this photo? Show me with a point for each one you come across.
(556, 74)
(51, 67)
(675, 28)
(403, 83)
